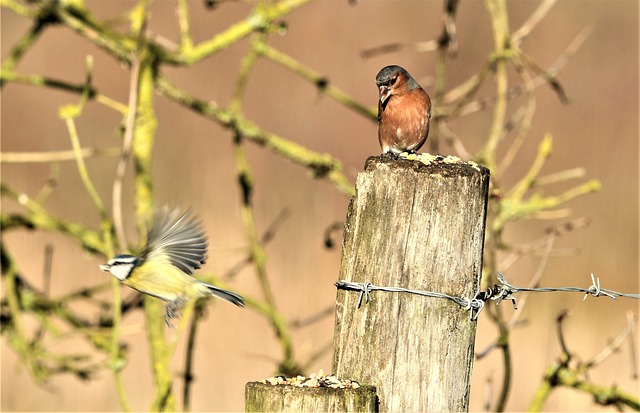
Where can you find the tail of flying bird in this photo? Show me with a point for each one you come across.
(229, 296)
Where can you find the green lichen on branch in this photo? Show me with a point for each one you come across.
(514, 206)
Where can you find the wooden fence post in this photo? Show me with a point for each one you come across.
(414, 226)
(261, 397)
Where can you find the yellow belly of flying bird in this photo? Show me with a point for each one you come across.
(170, 285)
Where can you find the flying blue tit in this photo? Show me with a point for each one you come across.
(176, 247)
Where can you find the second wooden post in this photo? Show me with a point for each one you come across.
(413, 226)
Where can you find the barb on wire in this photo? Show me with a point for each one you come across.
(473, 305)
(498, 293)
(594, 289)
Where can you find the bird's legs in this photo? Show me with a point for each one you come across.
(173, 308)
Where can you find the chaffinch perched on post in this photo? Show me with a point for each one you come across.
(404, 110)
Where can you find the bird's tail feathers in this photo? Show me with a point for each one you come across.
(229, 296)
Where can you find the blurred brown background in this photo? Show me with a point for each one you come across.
(193, 167)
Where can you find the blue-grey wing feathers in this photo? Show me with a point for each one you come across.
(178, 237)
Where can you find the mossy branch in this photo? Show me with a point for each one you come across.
(321, 165)
(566, 372)
(22, 45)
(514, 207)
(21, 300)
(256, 252)
(37, 217)
(259, 20)
(500, 25)
(42, 81)
(322, 82)
(55, 156)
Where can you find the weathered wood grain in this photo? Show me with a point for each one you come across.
(261, 397)
(421, 227)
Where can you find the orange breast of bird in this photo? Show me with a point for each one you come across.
(404, 122)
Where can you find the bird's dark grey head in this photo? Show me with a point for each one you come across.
(121, 265)
(388, 75)
(395, 76)
(392, 80)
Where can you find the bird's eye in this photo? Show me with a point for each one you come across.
(392, 81)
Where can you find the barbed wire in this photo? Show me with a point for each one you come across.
(498, 292)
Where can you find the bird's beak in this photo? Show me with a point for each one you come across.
(384, 93)
(105, 267)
